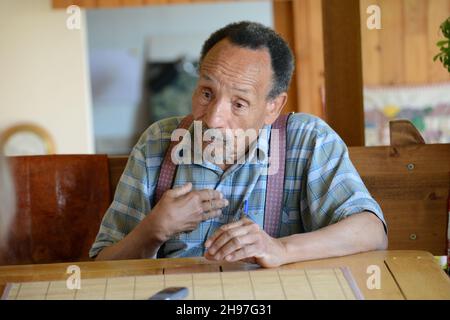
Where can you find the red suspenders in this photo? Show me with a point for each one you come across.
(168, 168)
(275, 182)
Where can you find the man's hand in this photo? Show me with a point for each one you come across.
(244, 240)
(181, 210)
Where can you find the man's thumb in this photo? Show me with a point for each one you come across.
(181, 190)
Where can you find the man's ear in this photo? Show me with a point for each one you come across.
(274, 107)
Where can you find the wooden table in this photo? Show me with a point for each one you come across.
(403, 274)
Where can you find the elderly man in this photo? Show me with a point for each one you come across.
(224, 209)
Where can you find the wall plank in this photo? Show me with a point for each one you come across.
(415, 40)
(371, 49)
(391, 44)
(303, 54)
(132, 2)
(317, 63)
(283, 18)
(309, 55)
(62, 4)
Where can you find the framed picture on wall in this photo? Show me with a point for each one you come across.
(26, 139)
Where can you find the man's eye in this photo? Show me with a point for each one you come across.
(206, 94)
(239, 105)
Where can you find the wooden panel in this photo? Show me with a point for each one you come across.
(317, 76)
(415, 40)
(430, 158)
(391, 43)
(371, 49)
(132, 2)
(419, 278)
(407, 43)
(309, 54)
(62, 4)
(108, 3)
(415, 209)
(411, 184)
(284, 25)
(303, 54)
(61, 200)
(343, 69)
(300, 23)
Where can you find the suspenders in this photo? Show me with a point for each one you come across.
(275, 182)
(168, 168)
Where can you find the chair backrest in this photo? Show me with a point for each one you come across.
(411, 184)
(61, 200)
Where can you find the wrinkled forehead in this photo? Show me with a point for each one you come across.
(228, 61)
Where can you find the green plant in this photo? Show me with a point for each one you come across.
(444, 45)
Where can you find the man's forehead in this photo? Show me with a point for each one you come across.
(211, 78)
(245, 66)
(225, 48)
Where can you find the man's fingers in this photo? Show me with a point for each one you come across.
(226, 236)
(180, 190)
(211, 214)
(209, 194)
(243, 253)
(214, 204)
(235, 244)
(223, 229)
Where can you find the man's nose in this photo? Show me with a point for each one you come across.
(216, 114)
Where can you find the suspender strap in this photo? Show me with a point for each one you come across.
(168, 168)
(275, 181)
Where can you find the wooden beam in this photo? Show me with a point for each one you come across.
(344, 109)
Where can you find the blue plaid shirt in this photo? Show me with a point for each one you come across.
(321, 185)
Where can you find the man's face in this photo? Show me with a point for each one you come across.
(232, 89)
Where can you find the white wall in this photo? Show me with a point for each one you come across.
(44, 73)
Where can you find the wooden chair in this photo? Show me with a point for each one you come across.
(61, 200)
(411, 182)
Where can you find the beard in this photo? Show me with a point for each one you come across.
(225, 146)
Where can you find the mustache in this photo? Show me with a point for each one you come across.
(218, 134)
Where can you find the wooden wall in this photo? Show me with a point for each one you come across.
(300, 23)
(402, 51)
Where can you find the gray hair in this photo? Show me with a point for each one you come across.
(253, 35)
(7, 199)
